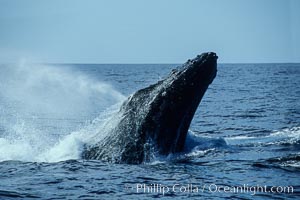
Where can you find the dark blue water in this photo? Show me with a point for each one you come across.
(245, 135)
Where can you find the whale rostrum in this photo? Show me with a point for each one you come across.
(156, 119)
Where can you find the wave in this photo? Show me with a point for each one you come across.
(284, 137)
(13, 194)
(287, 162)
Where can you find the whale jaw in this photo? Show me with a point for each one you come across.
(157, 117)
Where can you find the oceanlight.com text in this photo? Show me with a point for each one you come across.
(207, 188)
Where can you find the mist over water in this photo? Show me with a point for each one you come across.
(45, 111)
(57, 90)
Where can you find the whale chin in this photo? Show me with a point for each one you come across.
(156, 119)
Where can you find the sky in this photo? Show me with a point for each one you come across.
(153, 31)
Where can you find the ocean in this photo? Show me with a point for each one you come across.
(243, 143)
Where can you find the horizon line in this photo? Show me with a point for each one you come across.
(163, 63)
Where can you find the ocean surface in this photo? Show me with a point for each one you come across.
(243, 143)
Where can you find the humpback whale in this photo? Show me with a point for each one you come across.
(156, 119)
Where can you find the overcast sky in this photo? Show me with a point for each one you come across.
(153, 31)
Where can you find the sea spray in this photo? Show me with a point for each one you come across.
(57, 90)
(46, 110)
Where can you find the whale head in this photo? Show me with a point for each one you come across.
(175, 100)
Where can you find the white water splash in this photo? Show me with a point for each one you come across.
(39, 107)
(71, 146)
